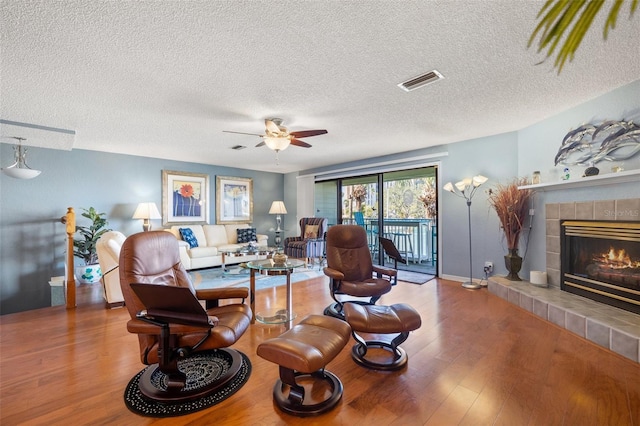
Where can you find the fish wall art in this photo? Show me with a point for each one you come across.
(590, 143)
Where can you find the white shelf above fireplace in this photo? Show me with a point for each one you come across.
(606, 179)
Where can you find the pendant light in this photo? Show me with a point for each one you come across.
(20, 169)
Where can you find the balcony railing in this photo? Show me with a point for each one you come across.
(413, 237)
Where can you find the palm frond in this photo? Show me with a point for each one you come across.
(565, 23)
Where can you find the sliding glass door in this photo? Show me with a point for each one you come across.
(409, 219)
(408, 202)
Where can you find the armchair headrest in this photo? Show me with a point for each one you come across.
(150, 257)
(347, 236)
(320, 221)
(348, 252)
(149, 253)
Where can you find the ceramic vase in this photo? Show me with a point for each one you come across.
(513, 263)
(88, 274)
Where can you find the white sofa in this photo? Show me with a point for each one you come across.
(212, 241)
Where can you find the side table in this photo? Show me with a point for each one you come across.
(269, 267)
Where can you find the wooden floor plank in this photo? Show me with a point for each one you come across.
(476, 360)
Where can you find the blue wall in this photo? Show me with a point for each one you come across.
(32, 239)
(493, 157)
(539, 143)
(502, 158)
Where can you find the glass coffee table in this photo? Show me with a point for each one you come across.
(246, 251)
(269, 267)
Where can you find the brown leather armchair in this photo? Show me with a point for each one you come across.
(153, 258)
(350, 269)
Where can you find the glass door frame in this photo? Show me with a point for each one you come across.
(433, 245)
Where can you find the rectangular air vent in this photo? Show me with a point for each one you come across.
(421, 80)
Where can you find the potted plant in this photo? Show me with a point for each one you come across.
(511, 205)
(84, 247)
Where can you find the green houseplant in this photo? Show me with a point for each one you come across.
(84, 245)
(511, 205)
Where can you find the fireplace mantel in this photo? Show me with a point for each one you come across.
(605, 179)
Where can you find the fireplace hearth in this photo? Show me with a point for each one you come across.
(600, 260)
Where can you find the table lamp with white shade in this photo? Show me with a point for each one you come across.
(146, 212)
(278, 208)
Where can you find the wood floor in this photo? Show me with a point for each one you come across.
(476, 360)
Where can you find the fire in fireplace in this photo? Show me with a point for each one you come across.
(601, 260)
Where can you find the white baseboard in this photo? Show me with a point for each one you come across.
(459, 279)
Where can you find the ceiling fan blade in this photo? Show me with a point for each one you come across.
(298, 142)
(260, 144)
(242, 133)
(307, 133)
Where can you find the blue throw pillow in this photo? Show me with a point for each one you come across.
(187, 235)
(246, 235)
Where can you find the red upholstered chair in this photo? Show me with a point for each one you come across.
(309, 243)
(179, 330)
(350, 269)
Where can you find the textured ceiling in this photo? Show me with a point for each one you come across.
(164, 79)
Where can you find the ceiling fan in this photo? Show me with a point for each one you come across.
(278, 138)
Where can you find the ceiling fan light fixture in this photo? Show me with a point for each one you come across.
(421, 81)
(277, 143)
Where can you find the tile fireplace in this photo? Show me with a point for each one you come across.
(600, 260)
(604, 324)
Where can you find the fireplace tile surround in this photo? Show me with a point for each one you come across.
(626, 210)
(607, 326)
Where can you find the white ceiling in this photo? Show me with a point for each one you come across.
(164, 79)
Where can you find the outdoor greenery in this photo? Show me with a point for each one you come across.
(85, 247)
(562, 17)
(404, 199)
(428, 199)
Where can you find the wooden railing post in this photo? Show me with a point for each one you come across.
(70, 220)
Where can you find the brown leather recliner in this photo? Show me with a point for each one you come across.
(153, 258)
(350, 269)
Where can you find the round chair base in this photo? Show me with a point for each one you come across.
(290, 405)
(202, 375)
(399, 360)
(335, 309)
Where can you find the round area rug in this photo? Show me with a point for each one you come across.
(217, 364)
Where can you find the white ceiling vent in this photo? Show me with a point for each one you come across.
(421, 80)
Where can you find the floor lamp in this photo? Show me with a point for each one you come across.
(465, 189)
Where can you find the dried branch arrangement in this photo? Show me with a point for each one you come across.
(511, 205)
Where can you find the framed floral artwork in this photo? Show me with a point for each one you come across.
(184, 198)
(234, 200)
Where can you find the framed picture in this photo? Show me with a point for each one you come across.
(234, 200)
(184, 198)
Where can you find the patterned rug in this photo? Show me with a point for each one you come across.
(239, 277)
(201, 368)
